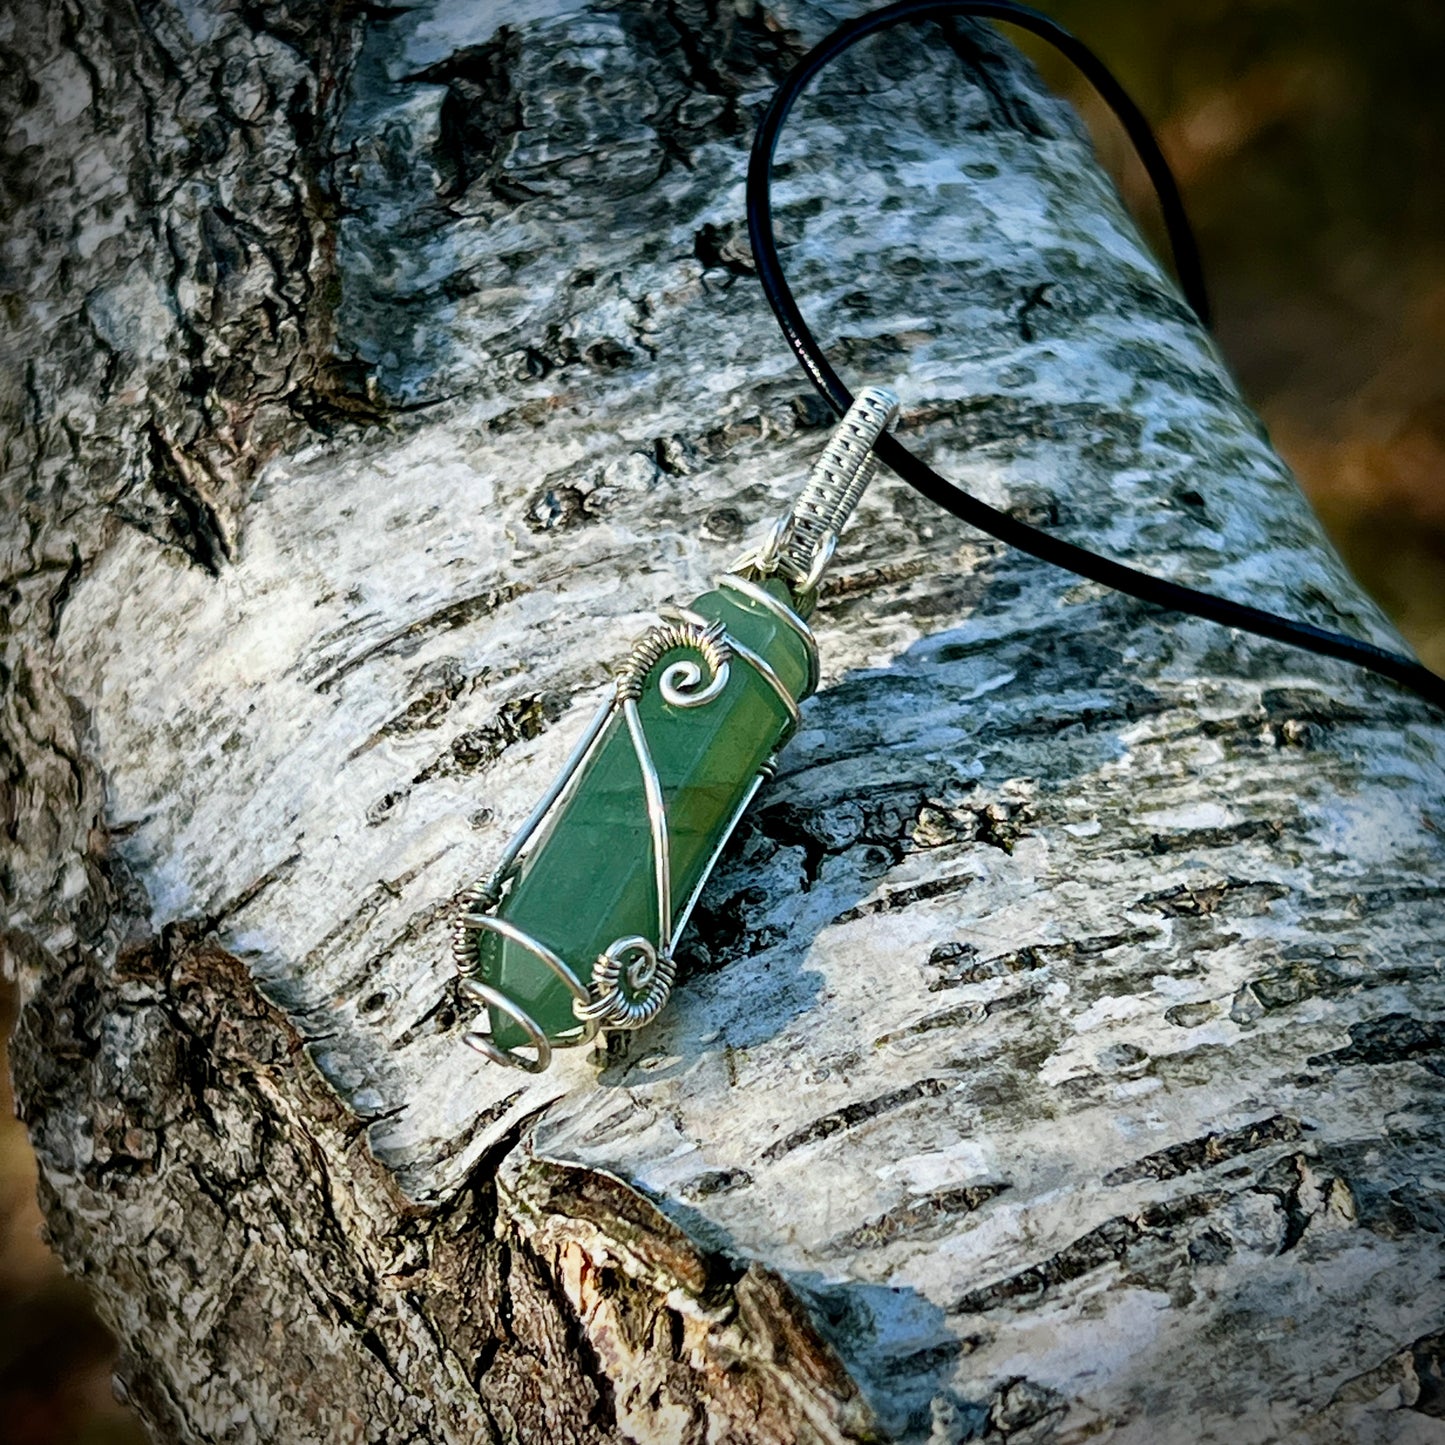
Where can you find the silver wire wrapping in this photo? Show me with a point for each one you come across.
(679, 684)
(633, 978)
(800, 544)
(648, 984)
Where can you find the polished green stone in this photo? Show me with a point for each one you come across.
(589, 879)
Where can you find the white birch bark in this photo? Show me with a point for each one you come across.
(1057, 1054)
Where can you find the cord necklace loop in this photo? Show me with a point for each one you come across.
(937, 488)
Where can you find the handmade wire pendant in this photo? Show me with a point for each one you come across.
(575, 930)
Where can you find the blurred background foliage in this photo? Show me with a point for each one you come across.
(1309, 139)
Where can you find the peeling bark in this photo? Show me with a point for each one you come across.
(1057, 1052)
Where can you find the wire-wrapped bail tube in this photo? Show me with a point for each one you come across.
(801, 545)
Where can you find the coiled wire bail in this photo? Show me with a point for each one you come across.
(801, 542)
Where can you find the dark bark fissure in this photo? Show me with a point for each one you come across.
(480, 113)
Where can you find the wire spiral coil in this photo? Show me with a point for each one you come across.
(629, 995)
(679, 684)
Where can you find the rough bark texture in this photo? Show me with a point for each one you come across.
(1058, 1051)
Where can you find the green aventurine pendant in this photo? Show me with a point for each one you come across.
(575, 930)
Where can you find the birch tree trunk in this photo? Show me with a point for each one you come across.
(1057, 1053)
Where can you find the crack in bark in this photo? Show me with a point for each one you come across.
(1396, 1038)
(1195, 1155)
(852, 1115)
(1229, 897)
(518, 720)
(896, 898)
(924, 1216)
(1109, 1243)
(958, 964)
(458, 613)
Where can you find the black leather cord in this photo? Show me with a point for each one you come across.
(919, 474)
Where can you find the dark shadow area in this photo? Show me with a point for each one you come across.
(56, 1357)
